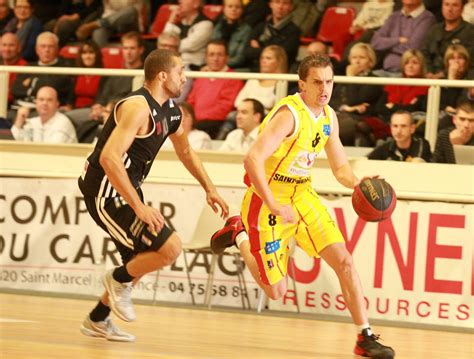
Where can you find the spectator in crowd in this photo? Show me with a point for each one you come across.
(26, 27)
(231, 28)
(278, 29)
(307, 14)
(87, 86)
(403, 145)
(461, 134)
(10, 55)
(117, 17)
(26, 85)
(273, 60)
(452, 31)
(74, 14)
(194, 30)
(255, 11)
(405, 97)
(49, 126)
(403, 30)
(319, 48)
(468, 12)
(170, 41)
(356, 102)
(370, 18)
(88, 132)
(213, 99)
(6, 14)
(250, 114)
(115, 87)
(457, 61)
(199, 140)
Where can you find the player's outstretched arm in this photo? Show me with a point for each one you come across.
(193, 164)
(337, 157)
(132, 117)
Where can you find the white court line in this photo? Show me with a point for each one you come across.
(11, 320)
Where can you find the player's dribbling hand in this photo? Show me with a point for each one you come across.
(215, 200)
(286, 213)
(153, 218)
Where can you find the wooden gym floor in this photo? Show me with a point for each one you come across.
(45, 327)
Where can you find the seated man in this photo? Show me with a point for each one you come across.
(213, 99)
(402, 146)
(194, 30)
(10, 55)
(250, 113)
(404, 29)
(49, 126)
(26, 85)
(453, 30)
(277, 30)
(461, 134)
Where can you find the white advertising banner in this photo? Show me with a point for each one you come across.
(416, 267)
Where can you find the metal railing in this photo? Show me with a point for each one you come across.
(432, 110)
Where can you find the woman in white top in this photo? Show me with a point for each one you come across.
(273, 60)
(199, 140)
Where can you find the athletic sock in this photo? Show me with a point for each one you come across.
(100, 312)
(360, 328)
(121, 275)
(241, 237)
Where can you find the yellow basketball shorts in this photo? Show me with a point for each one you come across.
(313, 231)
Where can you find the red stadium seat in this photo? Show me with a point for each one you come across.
(112, 57)
(69, 51)
(335, 27)
(212, 11)
(160, 20)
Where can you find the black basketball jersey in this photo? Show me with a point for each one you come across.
(139, 157)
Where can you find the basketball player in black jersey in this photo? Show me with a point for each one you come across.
(121, 160)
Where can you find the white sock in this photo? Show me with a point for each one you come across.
(360, 328)
(242, 236)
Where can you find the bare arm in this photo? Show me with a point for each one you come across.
(280, 126)
(133, 119)
(194, 165)
(337, 158)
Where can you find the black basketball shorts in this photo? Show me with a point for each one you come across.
(130, 234)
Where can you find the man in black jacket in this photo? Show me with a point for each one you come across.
(402, 146)
(277, 30)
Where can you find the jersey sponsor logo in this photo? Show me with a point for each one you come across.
(154, 112)
(327, 130)
(272, 247)
(303, 161)
(285, 179)
(175, 118)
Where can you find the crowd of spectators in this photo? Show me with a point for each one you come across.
(400, 38)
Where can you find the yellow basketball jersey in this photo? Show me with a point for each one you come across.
(288, 169)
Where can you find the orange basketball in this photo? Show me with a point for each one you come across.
(374, 199)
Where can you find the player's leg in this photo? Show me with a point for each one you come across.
(325, 239)
(264, 250)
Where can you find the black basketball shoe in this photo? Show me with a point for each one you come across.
(368, 346)
(225, 237)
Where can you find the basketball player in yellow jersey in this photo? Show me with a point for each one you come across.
(280, 202)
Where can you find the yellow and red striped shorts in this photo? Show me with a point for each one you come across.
(269, 238)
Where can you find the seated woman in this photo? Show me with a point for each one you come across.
(231, 28)
(405, 97)
(355, 103)
(273, 60)
(199, 140)
(457, 61)
(87, 86)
